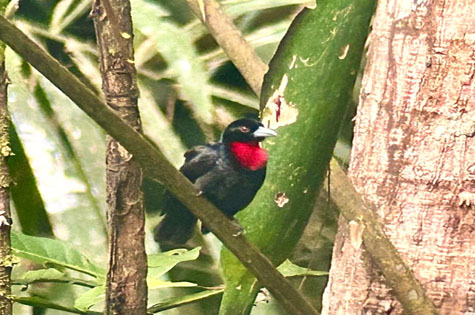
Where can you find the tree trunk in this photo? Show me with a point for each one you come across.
(5, 218)
(126, 291)
(412, 158)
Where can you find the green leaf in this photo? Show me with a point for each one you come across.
(176, 47)
(288, 269)
(48, 274)
(51, 275)
(163, 262)
(160, 284)
(37, 301)
(48, 251)
(304, 96)
(90, 298)
(182, 300)
(26, 196)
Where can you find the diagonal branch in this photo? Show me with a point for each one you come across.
(155, 164)
(230, 39)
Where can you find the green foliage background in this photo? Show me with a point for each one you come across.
(189, 92)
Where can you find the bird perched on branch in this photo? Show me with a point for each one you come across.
(228, 173)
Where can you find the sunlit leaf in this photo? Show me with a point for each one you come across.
(48, 251)
(160, 263)
(159, 284)
(90, 298)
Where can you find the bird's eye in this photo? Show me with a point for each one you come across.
(244, 129)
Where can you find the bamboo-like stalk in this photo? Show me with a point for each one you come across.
(399, 276)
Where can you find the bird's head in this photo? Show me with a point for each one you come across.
(246, 130)
(243, 137)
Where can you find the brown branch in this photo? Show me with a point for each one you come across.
(5, 217)
(400, 278)
(230, 39)
(155, 164)
(126, 288)
(398, 275)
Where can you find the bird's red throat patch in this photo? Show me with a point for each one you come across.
(249, 155)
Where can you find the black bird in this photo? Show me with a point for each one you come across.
(228, 173)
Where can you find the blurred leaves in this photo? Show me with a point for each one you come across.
(188, 92)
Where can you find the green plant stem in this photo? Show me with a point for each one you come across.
(398, 275)
(230, 39)
(156, 166)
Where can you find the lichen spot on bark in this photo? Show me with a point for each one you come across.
(278, 111)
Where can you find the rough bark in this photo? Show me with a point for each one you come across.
(412, 158)
(126, 291)
(5, 219)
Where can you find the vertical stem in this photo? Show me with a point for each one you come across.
(126, 291)
(5, 151)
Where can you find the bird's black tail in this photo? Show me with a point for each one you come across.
(175, 229)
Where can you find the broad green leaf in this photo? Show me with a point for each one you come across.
(51, 275)
(159, 264)
(48, 251)
(288, 269)
(90, 298)
(304, 96)
(176, 47)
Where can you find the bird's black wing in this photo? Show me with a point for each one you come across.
(178, 225)
(199, 160)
